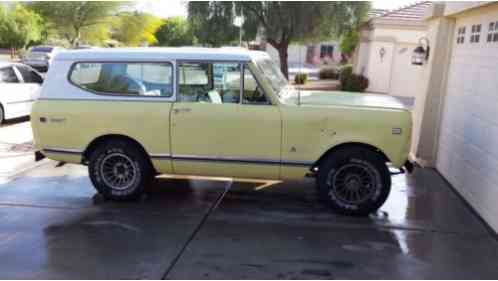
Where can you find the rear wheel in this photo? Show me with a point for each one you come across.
(2, 115)
(119, 170)
(354, 181)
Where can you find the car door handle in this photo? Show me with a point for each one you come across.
(180, 110)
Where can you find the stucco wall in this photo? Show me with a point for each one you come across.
(394, 73)
(297, 52)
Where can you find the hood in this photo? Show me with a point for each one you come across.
(338, 98)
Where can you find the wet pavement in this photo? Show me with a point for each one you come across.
(52, 226)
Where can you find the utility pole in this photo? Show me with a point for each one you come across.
(239, 21)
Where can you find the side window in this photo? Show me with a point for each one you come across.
(127, 79)
(7, 75)
(207, 82)
(29, 75)
(253, 94)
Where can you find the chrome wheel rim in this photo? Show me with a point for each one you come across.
(353, 183)
(118, 171)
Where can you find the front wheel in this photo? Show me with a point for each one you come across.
(354, 181)
(119, 170)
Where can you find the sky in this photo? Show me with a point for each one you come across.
(171, 8)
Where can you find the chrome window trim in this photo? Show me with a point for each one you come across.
(242, 65)
(178, 62)
(110, 95)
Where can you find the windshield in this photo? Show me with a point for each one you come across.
(273, 75)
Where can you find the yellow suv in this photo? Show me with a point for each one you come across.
(130, 114)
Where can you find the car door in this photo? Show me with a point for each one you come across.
(216, 131)
(11, 95)
(29, 87)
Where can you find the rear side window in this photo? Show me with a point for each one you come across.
(29, 75)
(7, 75)
(42, 49)
(126, 79)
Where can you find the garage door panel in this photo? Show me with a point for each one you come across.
(468, 143)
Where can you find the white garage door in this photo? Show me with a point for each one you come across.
(468, 145)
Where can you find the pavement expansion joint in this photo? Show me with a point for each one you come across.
(197, 229)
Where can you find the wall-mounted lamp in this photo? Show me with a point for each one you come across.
(421, 52)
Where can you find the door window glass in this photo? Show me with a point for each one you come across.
(129, 79)
(207, 82)
(7, 75)
(253, 94)
(29, 75)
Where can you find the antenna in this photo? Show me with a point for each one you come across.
(299, 72)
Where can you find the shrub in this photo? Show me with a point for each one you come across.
(301, 78)
(346, 70)
(353, 82)
(328, 73)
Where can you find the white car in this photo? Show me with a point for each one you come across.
(19, 88)
(40, 57)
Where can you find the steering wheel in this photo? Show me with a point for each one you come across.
(129, 84)
(138, 84)
(204, 97)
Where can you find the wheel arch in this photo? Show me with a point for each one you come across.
(112, 137)
(350, 145)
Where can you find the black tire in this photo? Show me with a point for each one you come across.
(2, 115)
(119, 170)
(354, 181)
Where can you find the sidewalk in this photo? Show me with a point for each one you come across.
(16, 148)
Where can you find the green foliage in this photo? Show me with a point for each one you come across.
(19, 27)
(352, 82)
(72, 19)
(175, 32)
(135, 29)
(212, 22)
(283, 22)
(348, 43)
(328, 73)
(301, 78)
(346, 70)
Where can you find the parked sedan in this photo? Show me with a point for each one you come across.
(19, 87)
(40, 57)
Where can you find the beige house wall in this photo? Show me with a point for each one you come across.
(393, 74)
(433, 87)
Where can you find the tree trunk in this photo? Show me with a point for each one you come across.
(283, 55)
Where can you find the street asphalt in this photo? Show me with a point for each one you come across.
(54, 226)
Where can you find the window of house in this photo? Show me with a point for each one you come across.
(475, 34)
(326, 51)
(7, 75)
(493, 32)
(461, 35)
(127, 79)
(207, 82)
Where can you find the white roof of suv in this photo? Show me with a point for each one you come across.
(160, 53)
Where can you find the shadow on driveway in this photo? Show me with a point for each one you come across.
(53, 227)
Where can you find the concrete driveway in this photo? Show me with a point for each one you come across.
(52, 226)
